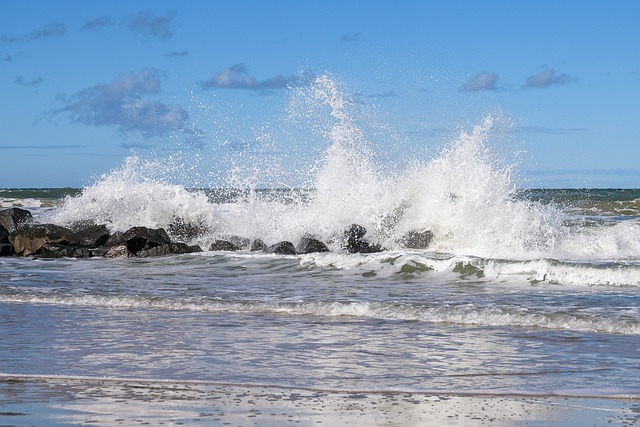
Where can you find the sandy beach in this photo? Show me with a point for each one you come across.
(68, 401)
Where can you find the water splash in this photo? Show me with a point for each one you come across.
(466, 196)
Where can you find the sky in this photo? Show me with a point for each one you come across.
(209, 84)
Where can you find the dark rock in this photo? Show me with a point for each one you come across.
(118, 251)
(417, 239)
(168, 249)
(12, 218)
(116, 239)
(240, 242)
(4, 234)
(308, 245)
(6, 249)
(91, 237)
(181, 229)
(142, 238)
(56, 250)
(29, 238)
(223, 245)
(258, 245)
(82, 224)
(100, 251)
(282, 248)
(353, 242)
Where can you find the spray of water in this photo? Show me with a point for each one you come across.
(465, 196)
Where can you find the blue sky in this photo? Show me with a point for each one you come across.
(86, 83)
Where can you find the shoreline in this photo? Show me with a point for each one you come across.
(65, 401)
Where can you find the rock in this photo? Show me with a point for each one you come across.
(240, 242)
(258, 245)
(353, 242)
(282, 248)
(308, 245)
(181, 229)
(120, 251)
(29, 238)
(417, 239)
(223, 245)
(116, 239)
(56, 250)
(168, 249)
(12, 218)
(142, 238)
(82, 224)
(6, 249)
(4, 234)
(91, 237)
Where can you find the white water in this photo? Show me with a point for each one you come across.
(465, 195)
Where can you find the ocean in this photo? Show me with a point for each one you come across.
(522, 292)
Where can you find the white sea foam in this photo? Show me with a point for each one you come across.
(460, 314)
(466, 195)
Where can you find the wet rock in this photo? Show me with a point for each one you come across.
(119, 251)
(185, 230)
(258, 245)
(141, 238)
(57, 250)
(168, 249)
(417, 239)
(223, 245)
(12, 218)
(82, 224)
(240, 242)
(353, 242)
(91, 237)
(309, 245)
(29, 238)
(282, 248)
(6, 249)
(4, 234)
(116, 239)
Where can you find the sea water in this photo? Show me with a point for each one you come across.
(530, 292)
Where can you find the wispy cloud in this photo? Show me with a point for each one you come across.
(54, 29)
(11, 58)
(236, 77)
(33, 82)
(351, 38)
(178, 54)
(481, 82)
(548, 78)
(98, 23)
(149, 24)
(123, 104)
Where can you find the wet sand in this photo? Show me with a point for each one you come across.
(60, 402)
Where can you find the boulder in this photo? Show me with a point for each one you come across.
(308, 245)
(141, 238)
(223, 245)
(353, 242)
(168, 249)
(6, 249)
(118, 251)
(282, 248)
(115, 239)
(56, 250)
(29, 238)
(258, 245)
(12, 218)
(4, 234)
(91, 237)
(239, 241)
(417, 239)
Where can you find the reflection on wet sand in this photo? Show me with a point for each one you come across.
(80, 401)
